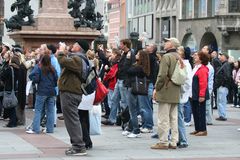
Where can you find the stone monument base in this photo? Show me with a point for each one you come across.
(32, 39)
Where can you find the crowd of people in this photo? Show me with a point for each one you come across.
(53, 75)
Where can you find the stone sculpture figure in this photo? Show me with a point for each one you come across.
(23, 10)
(87, 16)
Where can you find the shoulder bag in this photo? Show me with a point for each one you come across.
(9, 98)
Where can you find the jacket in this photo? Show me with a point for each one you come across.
(46, 83)
(200, 83)
(166, 91)
(69, 80)
(110, 78)
(126, 61)
(223, 76)
(186, 88)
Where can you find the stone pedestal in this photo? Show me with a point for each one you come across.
(52, 25)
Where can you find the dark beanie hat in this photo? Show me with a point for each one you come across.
(83, 44)
(187, 52)
(52, 48)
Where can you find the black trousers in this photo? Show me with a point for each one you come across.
(84, 120)
(199, 115)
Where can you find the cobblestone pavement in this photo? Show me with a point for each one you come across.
(222, 143)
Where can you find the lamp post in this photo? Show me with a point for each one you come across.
(1, 19)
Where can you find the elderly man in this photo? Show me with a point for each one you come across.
(168, 95)
(71, 94)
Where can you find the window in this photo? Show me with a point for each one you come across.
(202, 8)
(189, 8)
(234, 6)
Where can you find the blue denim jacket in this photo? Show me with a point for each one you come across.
(46, 83)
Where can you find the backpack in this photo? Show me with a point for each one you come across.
(179, 75)
(88, 77)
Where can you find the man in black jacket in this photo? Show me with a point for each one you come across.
(222, 84)
(120, 90)
(216, 63)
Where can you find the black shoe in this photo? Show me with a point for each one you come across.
(88, 147)
(214, 107)
(209, 124)
(182, 146)
(155, 136)
(107, 122)
(105, 116)
(221, 118)
(10, 126)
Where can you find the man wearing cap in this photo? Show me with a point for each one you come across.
(71, 94)
(222, 84)
(167, 94)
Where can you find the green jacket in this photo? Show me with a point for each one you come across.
(166, 91)
(69, 80)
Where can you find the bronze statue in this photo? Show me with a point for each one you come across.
(23, 10)
(87, 16)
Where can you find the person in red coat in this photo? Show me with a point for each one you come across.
(200, 93)
(110, 78)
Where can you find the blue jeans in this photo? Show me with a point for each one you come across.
(222, 93)
(119, 97)
(146, 108)
(110, 94)
(187, 112)
(49, 102)
(181, 126)
(133, 111)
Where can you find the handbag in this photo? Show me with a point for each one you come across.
(9, 98)
(101, 92)
(140, 86)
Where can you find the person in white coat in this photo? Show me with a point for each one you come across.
(186, 90)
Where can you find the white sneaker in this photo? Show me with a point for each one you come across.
(187, 124)
(30, 131)
(238, 129)
(237, 106)
(44, 129)
(132, 135)
(125, 133)
(146, 130)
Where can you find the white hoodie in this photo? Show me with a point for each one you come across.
(186, 89)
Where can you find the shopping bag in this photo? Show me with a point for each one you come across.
(101, 92)
(95, 120)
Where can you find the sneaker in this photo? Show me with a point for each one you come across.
(44, 129)
(132, 135)
(155, 136)
(125, 133)
(237, 106)
(221, 118)
(187, 124)
(238, 129)
(182, 145)
(30, 131)
(146, 130)
(107, 122)
(74, 152)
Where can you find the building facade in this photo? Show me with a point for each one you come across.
(141, 19)
(1, 19)
(166, 19)
(210, 22)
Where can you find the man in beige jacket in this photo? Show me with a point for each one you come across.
(167, 94)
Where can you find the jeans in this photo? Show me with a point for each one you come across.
(187, 111)
(209, 114)
(146, 111)
(49, 102)
(119, 97)
(222, 93)
(181, 126)
(133, 111)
